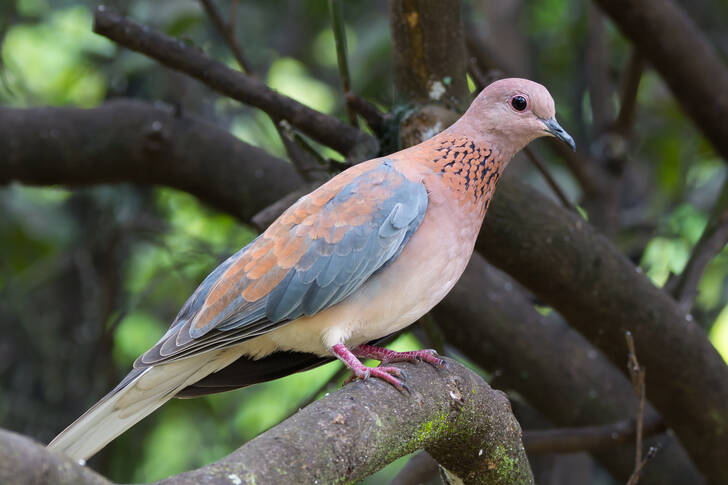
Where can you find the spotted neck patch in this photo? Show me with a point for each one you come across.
(471, 170)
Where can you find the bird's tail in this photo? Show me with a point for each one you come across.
(137, 396)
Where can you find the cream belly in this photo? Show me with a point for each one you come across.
(426, 270)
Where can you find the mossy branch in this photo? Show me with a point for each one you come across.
(344, 437)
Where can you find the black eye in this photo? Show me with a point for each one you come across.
(519, 103)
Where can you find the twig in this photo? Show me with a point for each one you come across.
(597, 76)
(637, 375)
(628, 95)
(711, 242)
(337, 21)
(228, 34)
(174, 53)
(589, 438)
(536, 161)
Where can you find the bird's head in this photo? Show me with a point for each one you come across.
(513, 112)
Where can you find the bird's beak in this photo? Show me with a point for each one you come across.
(554, 129)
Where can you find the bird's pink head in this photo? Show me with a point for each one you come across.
(510, 113)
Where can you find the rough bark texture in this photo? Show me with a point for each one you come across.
(664, 34)
(132, 141)
(344, 437)
(429, 51)
(176, 54)
(565, 261)
(489, 317)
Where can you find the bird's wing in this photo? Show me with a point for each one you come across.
(314, 255)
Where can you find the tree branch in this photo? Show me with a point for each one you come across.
(346, 436)
(176, 54)
(667, 37)
(568, 264)
(711, 242)
(337, 22)
(489, 318)
(589, 438)
(228, 35)
(126, 141)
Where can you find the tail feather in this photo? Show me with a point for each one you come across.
(140, 394)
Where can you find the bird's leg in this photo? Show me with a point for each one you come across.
(386, 356)
(360, 371)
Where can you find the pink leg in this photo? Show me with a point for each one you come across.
(360, 371)
(386, 356)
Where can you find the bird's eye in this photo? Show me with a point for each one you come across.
(519, 103)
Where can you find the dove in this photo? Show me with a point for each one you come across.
(361, 257)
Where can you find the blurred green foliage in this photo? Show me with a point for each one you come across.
(50, 57)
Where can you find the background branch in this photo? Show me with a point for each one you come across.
(685, 59)
(711, 242)
(127, 141)
(589, 438)
(566, 262)
(491, 319)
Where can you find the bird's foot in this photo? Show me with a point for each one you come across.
(360, 371)
(386, 356)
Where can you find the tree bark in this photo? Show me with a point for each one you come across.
(344, 437)
(429, 52)
(132, 141)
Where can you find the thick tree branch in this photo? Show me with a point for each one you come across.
(130, 141)
(346, 436)
(670, 40)
(492, 320)
(577, 271)
(176, 54)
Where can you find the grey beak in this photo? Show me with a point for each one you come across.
(554, 128)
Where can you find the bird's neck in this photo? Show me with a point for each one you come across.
(470, 169)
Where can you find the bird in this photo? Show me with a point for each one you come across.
(359, 258)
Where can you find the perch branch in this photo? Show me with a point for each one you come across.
(345, 436)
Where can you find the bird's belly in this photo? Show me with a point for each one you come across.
(395, 297)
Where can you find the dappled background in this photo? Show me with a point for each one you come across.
(90, 278)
